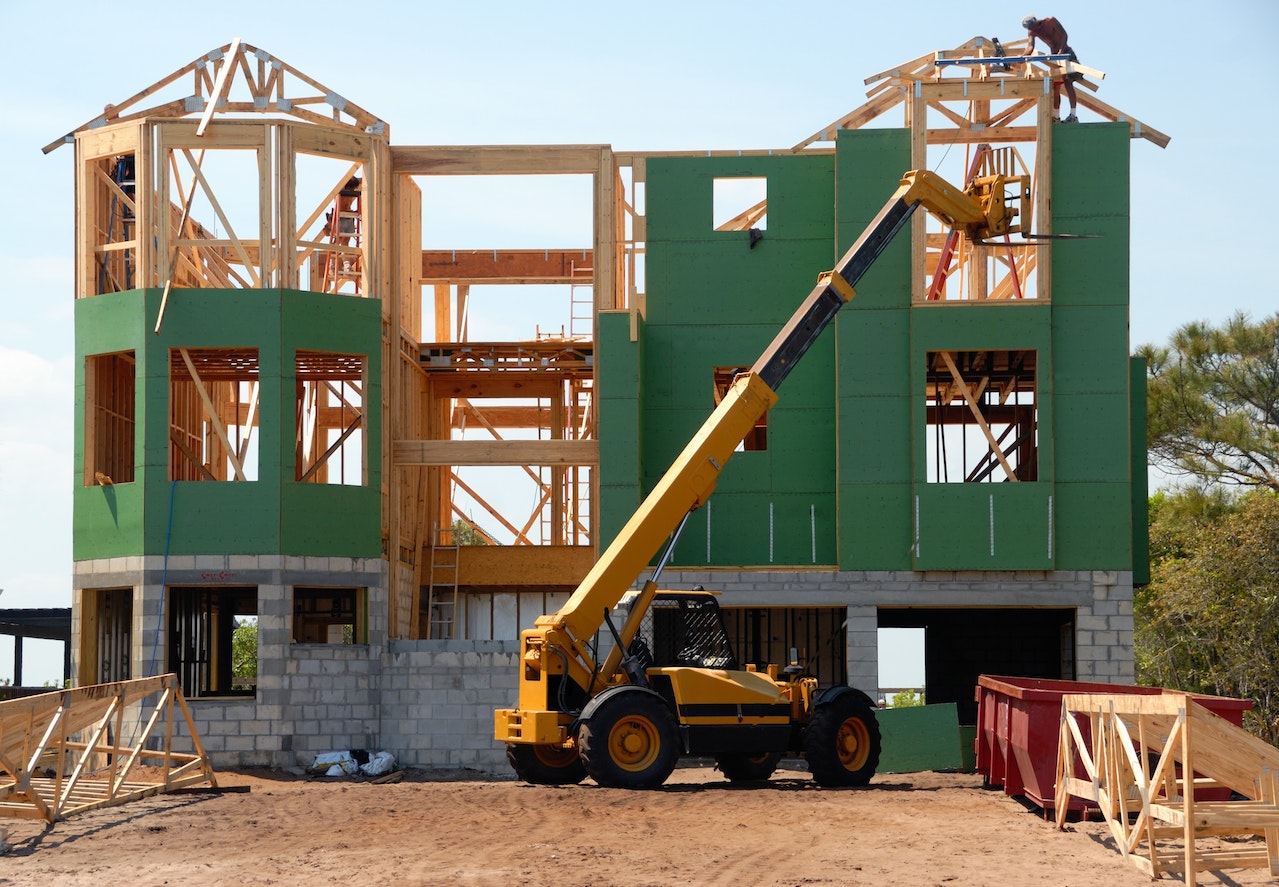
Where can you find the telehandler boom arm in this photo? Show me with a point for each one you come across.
(559, 644)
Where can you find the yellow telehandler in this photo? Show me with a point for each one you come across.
(626, 719)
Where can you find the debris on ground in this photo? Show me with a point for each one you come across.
(353, 762)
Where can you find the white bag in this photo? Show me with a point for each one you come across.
(379, 763)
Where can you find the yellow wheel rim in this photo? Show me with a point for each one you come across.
(554, 756)
(633, 743)
(853, 744)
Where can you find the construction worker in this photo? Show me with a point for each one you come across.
(1053, 34)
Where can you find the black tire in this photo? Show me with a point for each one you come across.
(545, 764)
(748, 768)
(630, 741)
(842, 743)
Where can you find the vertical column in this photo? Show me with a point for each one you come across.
(1043, 190)
(918, 160)
(862, 636)
(1104, 632)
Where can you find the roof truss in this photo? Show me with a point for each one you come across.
(236, 78)
(986, 71)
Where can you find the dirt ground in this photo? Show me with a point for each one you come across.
(268, 827)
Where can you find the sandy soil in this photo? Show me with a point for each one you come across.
(268, 827)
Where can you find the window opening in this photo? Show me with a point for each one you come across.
(330, 615)
(215, 223)
(110, 423)
(740, 203)
(982, 416)
(202, 626)
(757, 439)
(331, 206)
(962, 271)
(107, 638)
(213, 411)
(329, 439)
(117, 223)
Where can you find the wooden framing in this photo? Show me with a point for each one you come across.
(75, 750)
(1135, 752)
(1026, 85)
(479, 403)
(268, 83)
(986, 102)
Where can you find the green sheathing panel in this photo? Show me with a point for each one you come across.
(1093, 468)
(921, 737)
(1140, 478)
(984, 526)
(337, 520)
(873, 363)
(272, 514)
(618, 414)
(713, 301)
(107, 520)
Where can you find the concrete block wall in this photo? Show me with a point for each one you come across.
(430, 703)
(1102, 601)
(311, 698)
(438, 699)
(1104, 635)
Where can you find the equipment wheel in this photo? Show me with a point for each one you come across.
(630, 741)
(842, 743)
(748, 768)
(545, 764)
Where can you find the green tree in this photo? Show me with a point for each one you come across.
(244, 653)
(1209, 620)
(1213, 402)
(468, 533)
(907, 699)
(1175, 518)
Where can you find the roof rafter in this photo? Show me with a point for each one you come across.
(985, 76)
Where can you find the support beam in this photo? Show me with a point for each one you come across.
(509, 266)
(496, 452)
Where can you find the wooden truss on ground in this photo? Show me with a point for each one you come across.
(75, 750)
(1136, 752)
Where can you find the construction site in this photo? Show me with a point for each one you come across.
(283, 416)
(284, 420)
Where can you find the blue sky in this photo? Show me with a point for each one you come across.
(652, 76)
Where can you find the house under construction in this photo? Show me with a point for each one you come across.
(283, 416)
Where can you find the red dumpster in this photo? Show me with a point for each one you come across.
(1018, 721)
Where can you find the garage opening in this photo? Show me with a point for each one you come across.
(964, 643)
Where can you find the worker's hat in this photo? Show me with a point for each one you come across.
(1029, 22)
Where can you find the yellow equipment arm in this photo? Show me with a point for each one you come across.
(559, 643)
